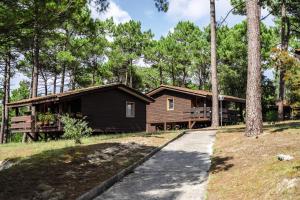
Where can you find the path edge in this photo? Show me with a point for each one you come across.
(101, 188)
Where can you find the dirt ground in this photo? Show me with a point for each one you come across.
(248, 168)
(69, 172)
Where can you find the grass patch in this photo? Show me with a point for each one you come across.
(62, 170)
(247, 168)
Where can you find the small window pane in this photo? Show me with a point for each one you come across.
(130, 109)
(171, 104)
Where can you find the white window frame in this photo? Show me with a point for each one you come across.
(130, 115)
(168, 104)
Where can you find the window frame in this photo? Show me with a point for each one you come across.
(128, 115)
(168, 103)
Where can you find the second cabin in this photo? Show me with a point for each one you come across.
(177, 107)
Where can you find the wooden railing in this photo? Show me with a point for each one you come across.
(25, 124)
(22, 123)
(227, 115)
(200, 112)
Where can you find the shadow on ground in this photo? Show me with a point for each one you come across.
(69, 172)
(283, 127)
(72, 171)
(220, 164)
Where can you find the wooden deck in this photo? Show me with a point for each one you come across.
(26, 124)
(195, 116)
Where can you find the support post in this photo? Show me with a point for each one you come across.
(59, 115)
(165, 126)
(204, 107)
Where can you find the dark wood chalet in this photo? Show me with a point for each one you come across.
(110, 108)
(178, 107)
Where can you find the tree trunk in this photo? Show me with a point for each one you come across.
(130, 73)
(45, 82)
(253, 96)
(62, 84)
(36, 49)
(284, 47)
(5, 100)
(214, 77)
(54, 84)
(160, 75)
(184, 78)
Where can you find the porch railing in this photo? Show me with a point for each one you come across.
(27, 124)
(22, 123)
(201, 112)
(227, 115)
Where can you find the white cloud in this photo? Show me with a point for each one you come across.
(199, 10)
(194, 10)
(116, 12)
(188, 9)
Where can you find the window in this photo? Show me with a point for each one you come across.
(130, 109)
(170, 104)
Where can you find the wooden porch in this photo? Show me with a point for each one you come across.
(199, 117)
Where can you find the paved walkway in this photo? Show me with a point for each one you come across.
(178, 171)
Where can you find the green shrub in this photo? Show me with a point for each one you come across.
(271, 116)
(75, 128)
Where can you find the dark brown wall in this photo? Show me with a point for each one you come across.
(157, 111)
(106, 111)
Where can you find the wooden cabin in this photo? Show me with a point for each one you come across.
(109, 108)
(178, 107)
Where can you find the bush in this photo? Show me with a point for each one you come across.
(271, 116)
(75, 128)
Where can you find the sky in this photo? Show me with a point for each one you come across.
(160, 23)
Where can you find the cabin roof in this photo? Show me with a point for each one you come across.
(201, 93)
(78, 92)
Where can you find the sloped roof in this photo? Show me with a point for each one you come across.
(201, 93)
(72, 93)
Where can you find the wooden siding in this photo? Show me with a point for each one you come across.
(106, 111)
(157, 111)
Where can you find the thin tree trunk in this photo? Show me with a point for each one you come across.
(183, 78)
(130, 73)
(5, 100)
(36, 52)
(6, 111)
(284, 47)
(160, 75)
(214, 77)
(62, 84)
(72, 79)
(45, 82)
(253, 96)
(199, 79)
(54, 84)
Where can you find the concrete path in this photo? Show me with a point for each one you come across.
(179, 171)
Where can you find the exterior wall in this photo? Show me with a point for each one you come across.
(157, 112)
(106, 111)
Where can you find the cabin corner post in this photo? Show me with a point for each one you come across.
(205, 109)
(60, 111)
(33, 133)
(165, 126)
(241, 109)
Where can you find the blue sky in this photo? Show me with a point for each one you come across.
(160, 23)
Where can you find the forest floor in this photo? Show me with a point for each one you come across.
(248, 168)
(62, 170)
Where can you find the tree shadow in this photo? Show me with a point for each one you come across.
(297, 168)
(69, 171)
(219, 164)
(283, 127)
